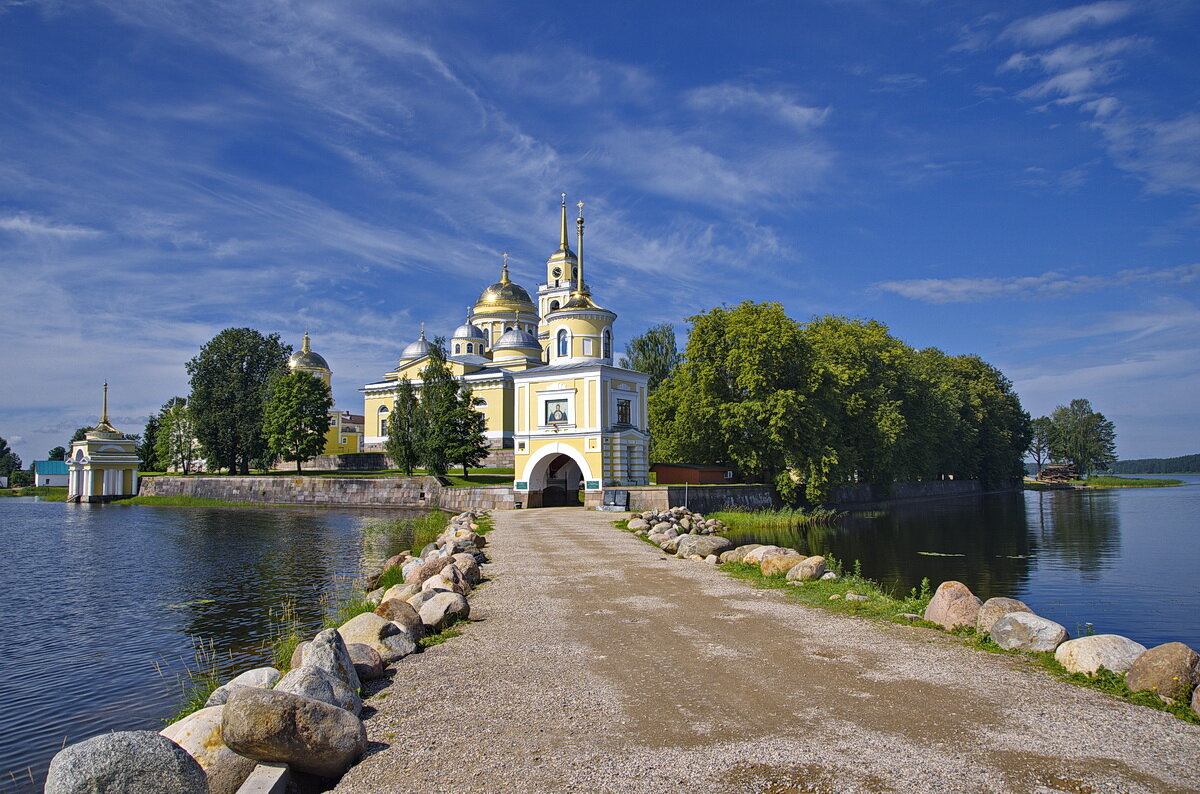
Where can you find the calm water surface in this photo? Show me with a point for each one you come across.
(1125, 560)
(102, 605)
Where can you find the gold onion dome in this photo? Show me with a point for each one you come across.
(305, 358)
(505, 293)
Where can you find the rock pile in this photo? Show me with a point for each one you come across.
(658, 526)
(307, 718)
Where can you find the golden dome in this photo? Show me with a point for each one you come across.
(504, 293)
(305, 358)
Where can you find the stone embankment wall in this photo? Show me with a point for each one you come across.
(381, 461)
(413, 492)
(701, 498)
(863, 494)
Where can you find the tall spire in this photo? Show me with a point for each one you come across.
(504, 271)
(581, 287)
(304, 347)
(104, 406)
(563, 245)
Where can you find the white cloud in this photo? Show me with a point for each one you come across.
(1165, 155)
(726, 97)
(1056, 25)
(26, 223)
(1046, 285)
(1074, 71)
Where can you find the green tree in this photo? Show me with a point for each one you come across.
(58, 453)
(176, 447)
(470, 432)
(1041, 433)
(404, 429)
(231, 379)
(9, 460)
(296, 417)
(1083, 437)
(147, 450)
(654, 353)
(80, 434)
(440, 426)
(19, 478)
(997, 430)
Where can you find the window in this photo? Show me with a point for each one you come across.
(607, 352)
(624, 411)
(587, 347)
(457, 348)
(470, 347)
(564, 343)
(556, 412)
(629, 452)
(383, 426)
(553, 306)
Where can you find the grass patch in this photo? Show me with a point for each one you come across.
(783, 518)
(1128, 482)
(286, 634)
(474, 480)
(879, 604)
(447, 633)
(48, 493)
(198, 680)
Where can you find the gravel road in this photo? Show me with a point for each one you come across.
(594, 663)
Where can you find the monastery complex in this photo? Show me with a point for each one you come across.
(542, 374)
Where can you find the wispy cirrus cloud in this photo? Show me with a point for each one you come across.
(1047, 285)
(28, 224)
(1051, 27)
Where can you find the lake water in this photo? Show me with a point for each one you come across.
(102, 605)
(1125, 560)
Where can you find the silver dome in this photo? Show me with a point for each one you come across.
(419, 348)
(515, 338)
(469, 331)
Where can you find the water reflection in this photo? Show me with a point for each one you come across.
(1078, 530)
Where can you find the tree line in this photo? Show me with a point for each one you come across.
(1184, 464)
(809, 406)
(1074, 434)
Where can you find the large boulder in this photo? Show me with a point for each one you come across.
(468, 567)
(328, 653)
(368, 664)
(953, 606)
(400, 591)
(1170, 670)
(279, 727)
(755, 556)
(1025, 631)
(315, 683)
(258, 678)
(1088, 654)
(199, 733)
(670, 545)
(126, 762)
(777, 563)
(808, 568)
(738, 554)
(426, 569)
(1196, 700)
(403, 615)
(388, 640)
(450, 578)
(443, 609)
(637, 524)
(702, 545)
(995, 608)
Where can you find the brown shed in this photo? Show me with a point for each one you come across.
(691, 474)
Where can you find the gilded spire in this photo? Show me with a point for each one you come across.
(304, 346)
(563, 245)
(104, 426)
(504, 279)
(579, 296)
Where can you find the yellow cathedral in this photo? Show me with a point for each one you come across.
(543, 376)
(344, 435)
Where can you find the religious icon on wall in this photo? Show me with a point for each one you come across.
(556, 412)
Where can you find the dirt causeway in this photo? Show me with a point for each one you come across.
(595, 663)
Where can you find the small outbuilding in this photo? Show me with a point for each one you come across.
(104, 465)
(691, 474)
(50, 472)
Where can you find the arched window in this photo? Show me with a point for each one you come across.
(457, 348)
(470, 347)
(383, 410)
(607, 351)
(553, 306)
(564, 343)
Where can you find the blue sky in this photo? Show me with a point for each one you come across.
(1018, 180)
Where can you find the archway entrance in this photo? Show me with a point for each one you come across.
(556, 480)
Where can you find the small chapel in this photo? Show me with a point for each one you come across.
(542, 374)
(103, 466)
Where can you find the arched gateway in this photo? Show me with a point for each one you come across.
(556, 477)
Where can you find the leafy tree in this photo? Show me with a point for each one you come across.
(440, 424)
(19, 478)
(230, 380)
(996, 426)
(58, 453)
(1083, 437)
(176, 448)
(296, 417)
(654, 353)
(9, 460)
(1041, 433)
(470, 436)
(79, 435)
(147, 450)
(404, 431)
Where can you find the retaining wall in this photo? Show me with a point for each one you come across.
(412, 492)
(862, 494)
(700, 498)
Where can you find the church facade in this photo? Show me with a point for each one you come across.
(543, 376)
(345, 432)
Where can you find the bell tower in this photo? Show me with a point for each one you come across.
(562, 273)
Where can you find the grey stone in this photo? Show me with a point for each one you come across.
(670, 545)
(712, 559)
(755, 556)
(1025, 631)
(1196, 700)
(468, 567)
(808, 568)
(1169, 670)
(297, 655)
(367, 662)
(375, 596)
(661, 527)
(199, 733)
(127, 762)
(260, 677)
(657, 538)
(855, 597)
(400, 591)
(910, 616)
(311, 736)
(995, 608)
(953, 605)
(1088, 654)
(737, 554)
(703, 545)
(327, 652)
(780, 561)
(382, 635)
(404, 615)
(427, 569)
(829, 575)
(638, 523)
(315, 683)
(441, 610)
